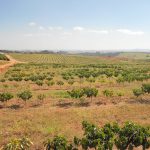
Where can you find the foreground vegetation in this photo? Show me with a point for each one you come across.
(3, 57)
(127, 137)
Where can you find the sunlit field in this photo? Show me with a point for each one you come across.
(52, 110)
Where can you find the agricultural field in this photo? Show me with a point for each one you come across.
(62, 59)
(134, 55)
(51, 94)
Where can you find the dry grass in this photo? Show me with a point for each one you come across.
(48, 120)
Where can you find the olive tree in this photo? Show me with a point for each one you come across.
(146, 88)
(138, 92)
(25, 95)
(90, 92)
(4, 97)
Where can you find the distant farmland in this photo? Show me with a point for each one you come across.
(60, 58)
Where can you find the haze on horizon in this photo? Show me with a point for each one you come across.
(74, 24)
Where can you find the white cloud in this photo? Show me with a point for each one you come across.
(99, 31)
(129, 32)
(55, 28)
(28, 35)
(32, 24)
(78, 28)
(59, 28)
(41, 28)
(67, 33)
(51, 28)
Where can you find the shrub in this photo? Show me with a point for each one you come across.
(60, 83)
(2, 80)
(4, 97)
(129, 136)
(58, 143)
(41, 97)
(108, 93)
(25, 95)
(146, 88)
(120, 94)
(76, 93)
(71, 82)
(133, 135)
(50, 83)
(3, 57)
(39, 83)
(90, 92)
(49, 78)
(138, 92)
(18, 144)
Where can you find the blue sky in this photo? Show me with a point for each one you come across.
(74, 24)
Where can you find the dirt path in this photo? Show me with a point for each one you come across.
(10, 63)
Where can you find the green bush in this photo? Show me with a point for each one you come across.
(58, 143)
(50, 83)
(3, 57)
(25, 95)
(138, 92)
(41, 97)
(146, 88)
(60, 83)
(4, 97)
(90, 92)
(76, 93)
(39, 83)
(108, 93)
(18, 144)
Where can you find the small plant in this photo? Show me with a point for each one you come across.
(76, 93)
(4, 97)
(146, 88)
(5, 85)
(60, 83)
(39, 83)
(90, 92)
(50, 83)
(2, 80)
(18, 144)
(41, 97)
(71, 82)
(108, 93)
(58, 143)
(120, 94)
(25, 95)
(138, 92)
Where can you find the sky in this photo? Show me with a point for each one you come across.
(74, 24)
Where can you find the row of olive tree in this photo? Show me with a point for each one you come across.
(106, 138)
(25, 96)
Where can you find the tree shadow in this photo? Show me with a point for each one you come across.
(1, 106)
(83, 104)
(14, 106)
(36, 105)
(100, 103)
(139, 101)
(64, 104)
